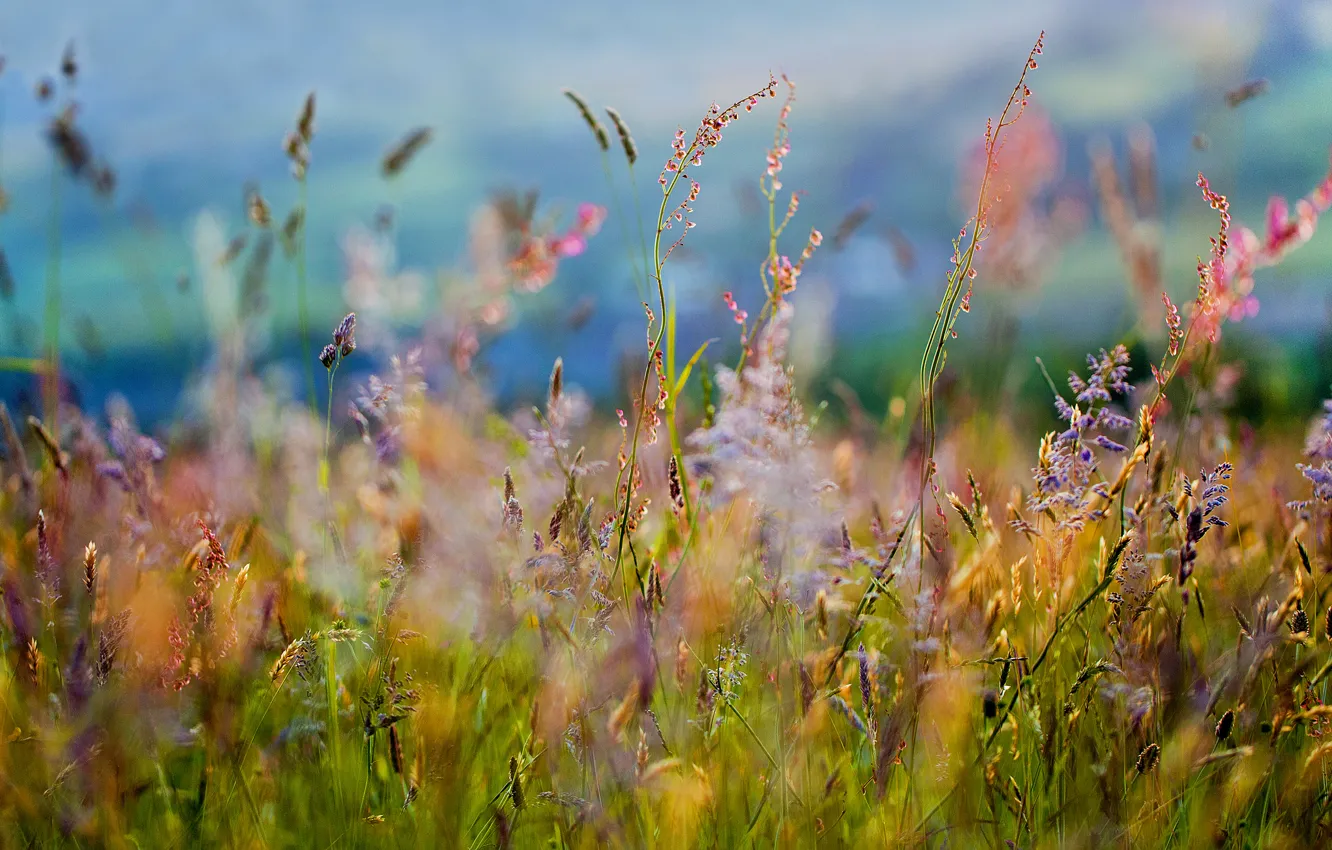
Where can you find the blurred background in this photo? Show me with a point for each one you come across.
(189, 104)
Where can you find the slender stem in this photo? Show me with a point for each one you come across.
(639, 264)
(51, 384)
(334, 739)
(328, 426)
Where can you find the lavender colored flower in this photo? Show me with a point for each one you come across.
(1318, 447)
(344, 336)
(1109, 374)
(758, 445)
(1067, 466)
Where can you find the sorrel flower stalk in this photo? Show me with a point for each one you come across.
(683, 155)
(778, 273)
(1208, 311)
(1225, 277)
(1248, 252)
(957, 293)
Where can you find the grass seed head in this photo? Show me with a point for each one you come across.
(1148, 758)
(404, 151)
(626, 138)
(598, 131)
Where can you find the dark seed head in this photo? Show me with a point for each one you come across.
(402, 153)
(1299, 624)
(1148, 758)
(1225, 726)
(70, 145)
(305, 121)
(69, 66)
(674, 484)
(556, 385)
(515, 784)
(990, 704)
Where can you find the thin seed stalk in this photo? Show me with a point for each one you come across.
(51, 325)
(638, 270)
(328, 428)
(647, 371)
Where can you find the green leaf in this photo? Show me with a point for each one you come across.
(689, 367)
(33, 365)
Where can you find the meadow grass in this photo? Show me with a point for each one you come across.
(405, 618)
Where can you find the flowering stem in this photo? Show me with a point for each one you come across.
(647, 371)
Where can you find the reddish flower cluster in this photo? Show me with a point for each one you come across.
(740, 315)
(1215, 299)
(708, 134)
(1285, 232)
(709, 131)
(784, 273)
(992, 132)
(1225, 279)
(1025, 231)
(622, 458)
(537, 257)
(650, 416)
(1172, 324)
(781, 144)
(778, 272)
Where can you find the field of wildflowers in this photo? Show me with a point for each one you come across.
(394, 615)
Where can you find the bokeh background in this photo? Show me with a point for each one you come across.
(189, 103)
